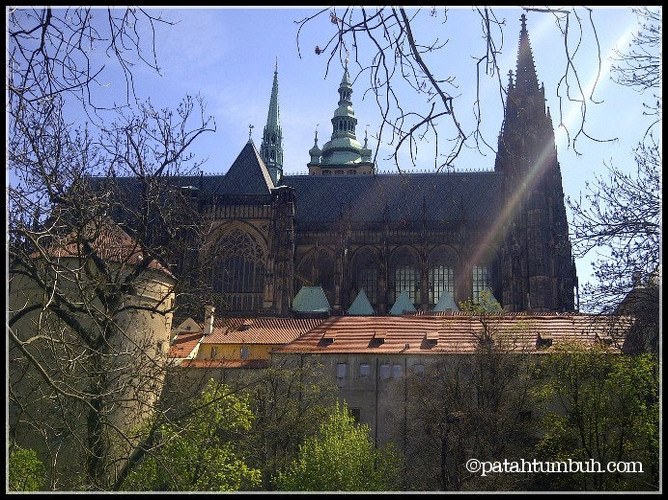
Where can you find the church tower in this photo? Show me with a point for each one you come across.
(537, 267)
(271, 148)
(343, 154)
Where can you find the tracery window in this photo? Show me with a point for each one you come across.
(404, 266)
(317, 269)
(442, 262)
(405, 279)
(482, 279)
(365, 273)
(238, 271)
(442, 280)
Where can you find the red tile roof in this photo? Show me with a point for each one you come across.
(449, 333)
(111, 243)
(262, 330)
(183, 344)
(225, 363)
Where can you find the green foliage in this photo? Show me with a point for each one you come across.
(201, 453)
(26, 471)
(341, 457)
(487, 304)
(288, 407)
(606, 410)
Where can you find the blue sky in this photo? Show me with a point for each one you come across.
(227, 55)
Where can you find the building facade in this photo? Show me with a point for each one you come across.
(347, 228)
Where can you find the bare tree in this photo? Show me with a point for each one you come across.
(619, 216)
(93, 226)
(388, 47)
(56, 52)
(639, 67)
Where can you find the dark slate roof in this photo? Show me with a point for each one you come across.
(248, 175)
(432, 197)
(406, 198)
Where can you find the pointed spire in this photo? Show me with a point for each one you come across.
(525, 78)
(272, 137)
(315, 151)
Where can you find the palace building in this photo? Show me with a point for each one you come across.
(349, 229)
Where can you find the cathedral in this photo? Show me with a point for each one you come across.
(347, 228)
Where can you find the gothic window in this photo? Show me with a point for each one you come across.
(481, 281)
(404, 273)
(405, 279)
(316, 268)
(441, 279)
(238, 271)
(442, 262)
(365, 273)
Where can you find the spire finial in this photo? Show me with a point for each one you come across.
(276, 66)
(250, 132)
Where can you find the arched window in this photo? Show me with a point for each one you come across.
(442, 263)
(316, 268)
(365, 273)
(404, 273)
(482, 279)
(238, 271)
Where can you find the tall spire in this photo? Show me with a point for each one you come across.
(272, 137)
(525, 77)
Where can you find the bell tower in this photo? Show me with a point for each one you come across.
(342, 154)
(537, 267)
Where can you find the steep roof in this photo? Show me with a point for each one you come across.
(453, 333)
(183, 344)
(248, 174)
(110, 242)
(406, 198)
(445, 302)
(402, 305)
(310, 299)
(400, 198)
(361, 305)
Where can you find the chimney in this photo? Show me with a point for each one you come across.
(208, 319)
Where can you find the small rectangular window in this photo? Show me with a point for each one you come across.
(341, 369)
(356, 413)
(396, 371)
(245, 352)
(418, 369)
(384, 372)
(365, 370)
(214, 352)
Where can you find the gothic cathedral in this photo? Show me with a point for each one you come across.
(347, 228)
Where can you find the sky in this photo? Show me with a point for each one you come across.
(228, 56)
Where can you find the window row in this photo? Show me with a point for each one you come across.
(441, 279)
(385, 370)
